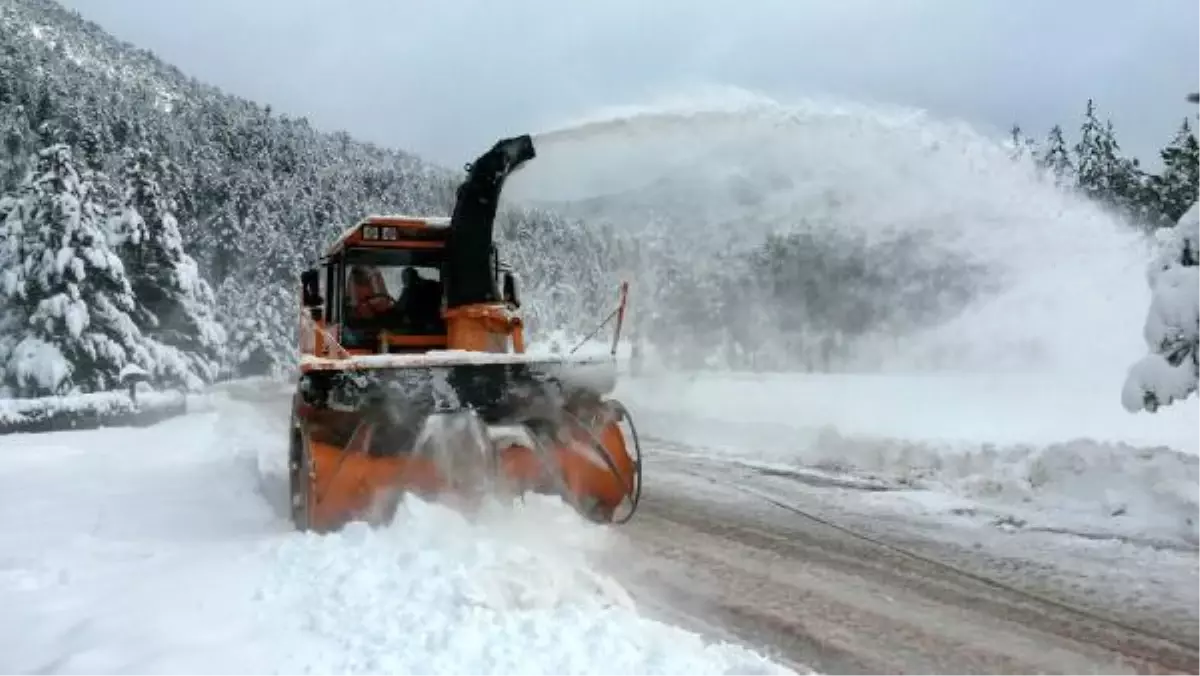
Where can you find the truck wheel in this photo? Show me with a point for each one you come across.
(300, 480)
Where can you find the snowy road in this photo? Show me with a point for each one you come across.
(782, 564)
(166, 550)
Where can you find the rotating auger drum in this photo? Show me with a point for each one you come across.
(354, 463)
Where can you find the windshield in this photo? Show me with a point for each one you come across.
(396, 290)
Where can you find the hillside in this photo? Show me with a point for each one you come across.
(248, 196)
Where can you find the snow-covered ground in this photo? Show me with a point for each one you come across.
(165, 550)
(1043, 450)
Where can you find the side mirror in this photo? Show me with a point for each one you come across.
(511, 294)
(310, 288)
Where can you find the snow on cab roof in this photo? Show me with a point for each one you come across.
(391, 219)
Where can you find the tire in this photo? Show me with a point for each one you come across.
(299, 480)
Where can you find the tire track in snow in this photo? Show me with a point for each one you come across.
(708, 544)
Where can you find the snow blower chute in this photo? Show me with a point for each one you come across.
(430, 391)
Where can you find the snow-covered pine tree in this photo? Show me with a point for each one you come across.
(1055, 158)
(14, 135)
(1170, 372)
(1175, 188)
(1102, 173)
(9, 318)
(104, 192)
(175, 304)
(257, 316)
(1021, 146)
(69, 301)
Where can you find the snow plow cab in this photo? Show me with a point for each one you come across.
(414, 376)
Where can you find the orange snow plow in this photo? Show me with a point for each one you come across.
(430, 391)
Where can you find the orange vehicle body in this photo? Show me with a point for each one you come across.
(355, 449)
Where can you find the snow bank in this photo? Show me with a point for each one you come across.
(510, 592)
(106, 409)
(1068, 452)
(89, 411)
(1081, 485)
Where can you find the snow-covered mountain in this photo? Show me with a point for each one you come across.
(234, 201)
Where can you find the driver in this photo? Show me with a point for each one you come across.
(421, 298)
(368, 292)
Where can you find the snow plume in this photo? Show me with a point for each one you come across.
(1172, 329)
(952, 255)
(570, 289)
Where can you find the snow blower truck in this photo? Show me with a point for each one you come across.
(430, 391)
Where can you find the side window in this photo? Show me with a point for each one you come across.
(333, 301)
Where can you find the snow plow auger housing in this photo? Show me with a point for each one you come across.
(431, 392)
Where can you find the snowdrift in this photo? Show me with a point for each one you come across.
(510, 591)
(1064, 455)
(118, 409)
(90, 411)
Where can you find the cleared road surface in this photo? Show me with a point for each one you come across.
(733, 552)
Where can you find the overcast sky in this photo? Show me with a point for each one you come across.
(444, 78)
